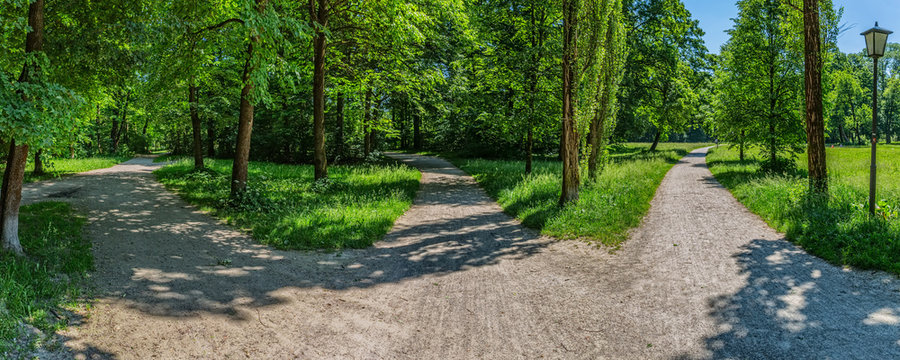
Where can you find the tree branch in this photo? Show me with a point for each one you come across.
(216, 26)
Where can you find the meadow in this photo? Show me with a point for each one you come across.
(836, 228)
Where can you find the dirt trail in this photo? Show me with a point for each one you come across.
(457, 278)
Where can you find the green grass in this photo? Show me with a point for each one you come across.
(165, 157)
(608, 207)
(284, 208)
(50, 277)
(61, 167)
(837, 228)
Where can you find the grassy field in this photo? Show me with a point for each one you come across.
(607, 209)
(284, 208)
(838, 228)
(52, 275)
(61, 167)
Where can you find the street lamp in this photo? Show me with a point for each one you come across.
(876, 41)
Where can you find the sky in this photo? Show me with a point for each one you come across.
(859, 15)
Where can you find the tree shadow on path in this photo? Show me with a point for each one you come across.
(795, 306)
(161, 256)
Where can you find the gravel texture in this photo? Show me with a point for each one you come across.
(456, 278)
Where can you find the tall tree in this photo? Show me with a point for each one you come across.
(571, 177)
(33, 111)
(267, 40)
(319, 13)
(815, 119)
(760, 86)
(608, 76)
(14, 175)
(664, 71)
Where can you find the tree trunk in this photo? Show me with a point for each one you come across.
(842, 134)
(195, 125)
(656, 140)
(529, 137)
(241, 163)
(401, 120)
(146, 124)
(417, 131)
(571, 178)
(123, 131)
(339, 125)
(367, 124)
(373, 132)
(815, 123)
(72, 151)
(114, 132)
(210, 137)
(11, 195)
(537, 42)
(319, 17)
(97, 131)
(741, 145)
(119, 128)
(245, 127)
(38, 163)
(773, 149)
(14, 175)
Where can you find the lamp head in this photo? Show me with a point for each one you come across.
(876, 40)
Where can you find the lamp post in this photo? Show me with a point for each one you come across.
(876, 41)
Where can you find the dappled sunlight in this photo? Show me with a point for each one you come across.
(166, 259)
(884, 316)
(792, 300)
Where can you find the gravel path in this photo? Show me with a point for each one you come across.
(457, 278)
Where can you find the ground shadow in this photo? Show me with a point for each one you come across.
(794, 306)
(165, 258)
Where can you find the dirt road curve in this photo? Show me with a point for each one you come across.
(457, 278)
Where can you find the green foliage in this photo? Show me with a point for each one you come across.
(760, 82)
(46, 115)
(284, 208)
(666, 69)
(836, 228)
(607, 208)
(50, 278)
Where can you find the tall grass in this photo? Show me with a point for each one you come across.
(52, 275)
(284, 208)
(836, 228)
(608, 207)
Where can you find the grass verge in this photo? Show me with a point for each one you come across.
(49, 278)
(55, 168)
(836, 228)
(608, 207)
(284, 208)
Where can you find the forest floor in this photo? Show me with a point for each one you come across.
(458, 278)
